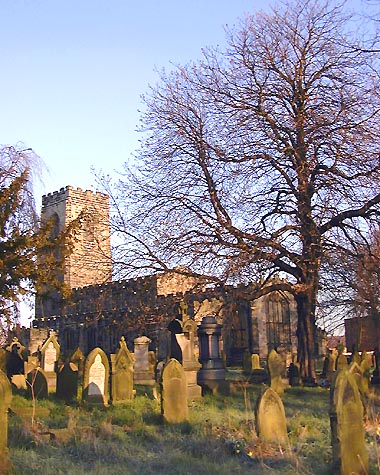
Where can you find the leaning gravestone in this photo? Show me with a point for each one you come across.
(5, 402)
(96, 378)
(270, 419)
(347, 430)
(174, 393)
(37, 383)
(122, 374)
(67, 382)
(275, 372)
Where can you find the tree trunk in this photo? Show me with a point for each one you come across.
(306, 334)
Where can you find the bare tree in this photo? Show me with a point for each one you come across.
(260, 158)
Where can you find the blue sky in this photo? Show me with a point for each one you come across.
(73, 72)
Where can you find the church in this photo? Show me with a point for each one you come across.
(101, 310)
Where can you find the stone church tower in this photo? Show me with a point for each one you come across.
(90, 262)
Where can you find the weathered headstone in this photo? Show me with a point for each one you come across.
(357, 374)
(347, 430)
(67, 382)
(174, 393)
(78, 359)
(142, 371)
(365, 367)
(50, 352)
(270, 419)
(37, 383)
(332, 366)
(258, 374)
(255, 361)
(275, 367)
(5, 402)
(122, 374)
(294, 374)
(190, 364)
(96, 379)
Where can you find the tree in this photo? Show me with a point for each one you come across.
(23, 238)
(260, 158)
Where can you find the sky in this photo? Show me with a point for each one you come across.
(74, 72)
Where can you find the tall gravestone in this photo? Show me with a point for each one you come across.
(50, 352)
(5, 402)
(270, 419)
(212, 373)
(174, 393)
(275, 367)
(96, 379)
(67, 382)
(347, 429)
(122, 374)
(190, 364)
(142, 369)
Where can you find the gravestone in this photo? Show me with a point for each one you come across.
(275, 367)
(212, 374)
(15, 364)
(67, 382)
(331, 366)
(96, 379)
(174, 393)
(5, 402)
(247, 362)
(294, 374)
(258, 374)
(347, 429)
(365, 366)
(50, 352)
(78, 359)
(190, 364)
(357, 374)
(142, 370)
(122, 374)
(270, 419)
(37, 383)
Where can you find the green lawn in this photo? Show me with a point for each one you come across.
(220, 437)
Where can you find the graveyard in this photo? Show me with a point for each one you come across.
(126, 414)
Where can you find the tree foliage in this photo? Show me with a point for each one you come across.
(30, 255)
(261, 158)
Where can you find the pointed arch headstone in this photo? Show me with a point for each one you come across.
(96, 379)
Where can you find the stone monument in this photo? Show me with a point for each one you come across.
(96, 379)
(174, 393)
(50, 352)
(142, 371)
(275, 367)
(270, 419)
(122, 374)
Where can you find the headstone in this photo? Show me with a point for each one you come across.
(357, 374)
(212, 374)
(247, 362)
(190, 364)
(258, 374)
(5, 402)
(332, 366)
(37, 384)
(293, 374)
(255, 361)
(175, 328)
(347, 429)
(67, 382)
(270, 419)
(78, 359)
(96, 379)
(142, 371)
(15, 364)
(275, 367)
(174, 393)
(356, 357)
(122, 374)
(365, 367)
(50, 352)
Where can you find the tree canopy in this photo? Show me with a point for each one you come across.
(260, 158)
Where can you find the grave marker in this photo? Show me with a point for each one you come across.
(96, 378)
(174, 393)
(67, 382)
(270, 419)
(122, 374)
(275, 366)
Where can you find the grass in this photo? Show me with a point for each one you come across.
(219, 438)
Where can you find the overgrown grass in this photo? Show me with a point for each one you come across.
(219, 438)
